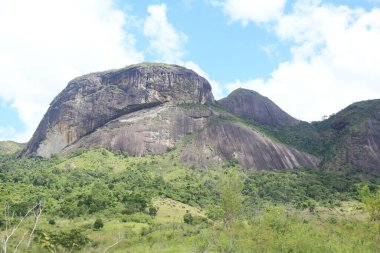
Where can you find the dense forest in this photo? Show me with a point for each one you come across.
(103, 201)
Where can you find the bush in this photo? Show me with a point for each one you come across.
(188, 218)
(198, 220)
(153, 211)
(2, 219)
(52, 222)
(74, 240)
(332, 220)
(371, 201)
(138, 218)
(98, 224)
(135, 203)
(145, 231)
(215, 213)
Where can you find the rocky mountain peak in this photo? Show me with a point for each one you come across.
(143, 83)
(150, 109)
(90, 101)
(252, 106)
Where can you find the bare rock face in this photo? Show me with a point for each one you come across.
(226, 141)
(362, 149)
(90, 101)
(252, 106)
(153, 130)
(151, 109)
(205, 139)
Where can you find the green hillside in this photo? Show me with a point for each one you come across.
(346, 142)
(10, 147)
(144, 201)
(351, 138)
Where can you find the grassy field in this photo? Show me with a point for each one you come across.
(272, 229)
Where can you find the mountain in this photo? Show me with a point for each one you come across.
(10, 147)
(153, 108)
(91, 101)
(348, 141)
(352, 138)
(254, 107)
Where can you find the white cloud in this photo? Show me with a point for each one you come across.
(335, 60)
(46, 43)
(216, 87)
(168, 43)
(165, 41)
(257, 11)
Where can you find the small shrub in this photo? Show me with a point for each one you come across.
(227, 244)
(332, 220)
(191, 231)
(74, 240)
(43, 240)
(371, 202)
(188, 218)
(198, 220)
(98, 224)
(86, 226)
(52, 222)
(145, 231)
(152, 211)
(2, 220)
(202, 245)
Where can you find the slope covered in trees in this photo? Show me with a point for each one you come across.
(286, 207)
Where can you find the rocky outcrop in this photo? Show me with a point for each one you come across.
(209, 139)
(149, 131)
(227, 140)
(91, 101)
(362, 148)
(252, 106)
(151, 109)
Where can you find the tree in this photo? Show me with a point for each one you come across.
(99, 197)
(11, 226)
(371, 201)
(230, 195)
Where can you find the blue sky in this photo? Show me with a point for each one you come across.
(310, 57)
(224, 49)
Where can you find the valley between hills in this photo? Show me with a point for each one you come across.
(144, 159)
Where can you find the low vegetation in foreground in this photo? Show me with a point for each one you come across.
(102, 201)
